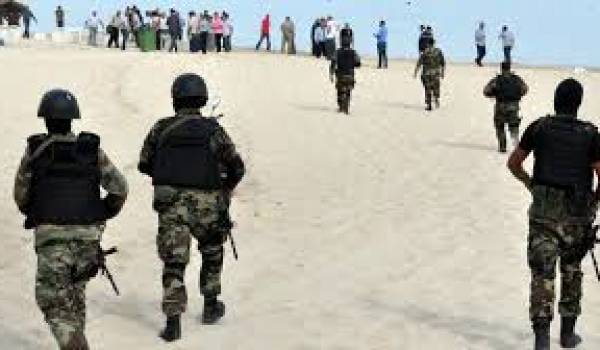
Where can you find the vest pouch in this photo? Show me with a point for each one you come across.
(164, 197)
(580, 204)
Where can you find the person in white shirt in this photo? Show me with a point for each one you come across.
(508, 43)
(227, 32)
(92, 25)
(480, 41)
(330, 37)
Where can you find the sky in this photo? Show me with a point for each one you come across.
(549, 32)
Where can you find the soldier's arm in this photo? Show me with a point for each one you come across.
(524, 87)
(332, 67)
(23, 184)
(357, 62)
(515, 165)
(443, 63)
(230, 159)
(148, 151)
(419, 64)
(490, 89)
(114, 183)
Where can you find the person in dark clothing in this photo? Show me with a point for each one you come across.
(564, 206)
(60, 17)
(174, 24)
(315, 44)
(343, 64)
(425, 37)
(347, 32)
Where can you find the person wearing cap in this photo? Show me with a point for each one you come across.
(58, 188)
(194, 168)
(566, 153)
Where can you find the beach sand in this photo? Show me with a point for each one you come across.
(391, 228)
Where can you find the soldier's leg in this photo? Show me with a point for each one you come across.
(542, 253)
(500, 127)
(437, 87)
(514, 121)
(57, 297)
(210, 245)
(428, 90)
(173, 242)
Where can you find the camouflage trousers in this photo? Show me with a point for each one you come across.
(190, 214)
(557, 227)
(60, 293)
(344, 86)
(506, 114)
(432, 84)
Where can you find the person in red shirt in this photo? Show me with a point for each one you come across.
(265, 33)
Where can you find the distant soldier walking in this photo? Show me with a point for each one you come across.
(194, 168)
(480, 44)
(567, 153)
(508, 89)
(434, 65)
(57, 187)
(343, 64)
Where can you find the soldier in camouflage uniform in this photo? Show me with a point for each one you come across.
(508, 89)
(194, 168)
(343, 64)
(57, 187)
(434, 65)
(567, 152)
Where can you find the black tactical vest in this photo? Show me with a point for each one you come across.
(508, 88)
(346, 62)
(563, 153)
(65, 188)
(184, 157)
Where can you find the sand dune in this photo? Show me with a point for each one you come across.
(390, 228)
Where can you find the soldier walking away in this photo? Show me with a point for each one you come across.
(434, 65)
(567, 153)
(508, 89)
(480, 43)
(57, 187)
(343, 63)
(194, 168)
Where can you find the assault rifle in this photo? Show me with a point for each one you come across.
(104, 270)
(592, 240)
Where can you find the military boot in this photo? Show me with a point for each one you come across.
(428, 107)
(541, 330)
(214, 309)
(172, 329)
(437, 103)
(568, 338)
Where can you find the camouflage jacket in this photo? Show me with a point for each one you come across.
(112, 181)
(490, 91)
(230, 162)
(432, 61)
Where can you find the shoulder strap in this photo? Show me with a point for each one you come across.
(41, 148)
(176, 124)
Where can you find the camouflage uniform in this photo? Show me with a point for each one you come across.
(185, 213)
(433, 62)
(506, 113)
(558, 223)
(65, 252)
(344, 85)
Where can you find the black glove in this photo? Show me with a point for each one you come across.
(112, 205)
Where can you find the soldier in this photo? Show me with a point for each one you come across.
(434, 65)
(342, 67)
(194, 168)
(508, 89)
(567, 152)
(57, 187)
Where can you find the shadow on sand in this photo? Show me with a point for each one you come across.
(407, 106)
(497, 335)
(467, 146)
(313, 108)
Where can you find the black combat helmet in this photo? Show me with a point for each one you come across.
(59, 104)
(190, 86)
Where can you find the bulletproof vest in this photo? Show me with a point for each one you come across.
(431, 59)
(184, 157)
(508, 88)
(65, 187)
(563, 153)
(346, 62)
